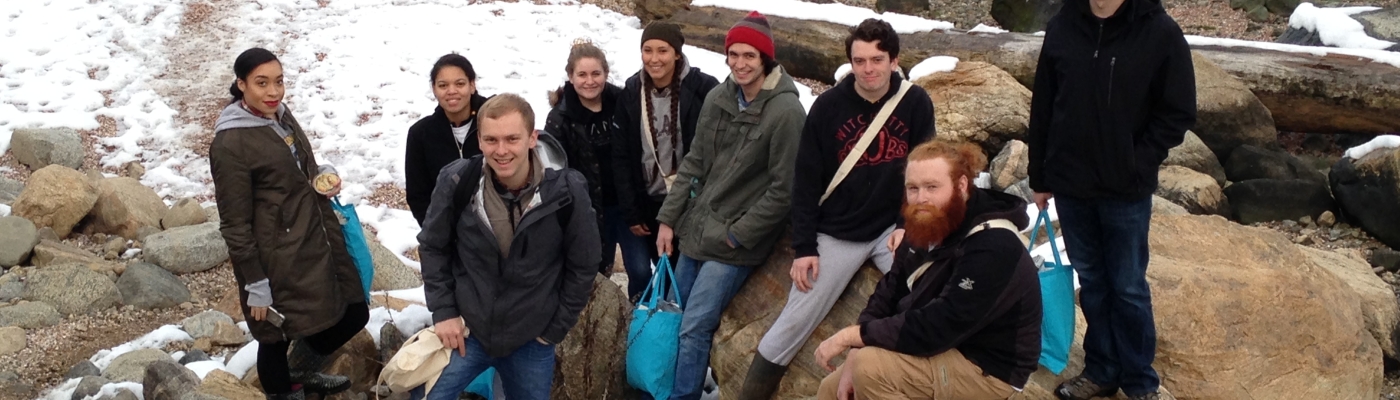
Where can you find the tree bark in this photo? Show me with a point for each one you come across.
(1305, 93)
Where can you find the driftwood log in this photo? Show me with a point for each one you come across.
(1305, 93)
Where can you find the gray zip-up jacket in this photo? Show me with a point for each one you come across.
(539, 288)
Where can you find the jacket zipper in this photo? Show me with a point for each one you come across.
(1112, 64)
(1099, 43)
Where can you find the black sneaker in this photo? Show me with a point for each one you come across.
(1081, 388)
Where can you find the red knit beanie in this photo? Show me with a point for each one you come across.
(752, 30)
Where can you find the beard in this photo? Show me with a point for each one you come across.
(926, 224)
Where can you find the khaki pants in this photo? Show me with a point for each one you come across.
(884, 374)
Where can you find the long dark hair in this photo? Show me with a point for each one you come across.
(245, 64)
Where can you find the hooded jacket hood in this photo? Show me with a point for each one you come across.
(234, 116)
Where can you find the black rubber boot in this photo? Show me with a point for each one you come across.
(305, 365)
(762, 380)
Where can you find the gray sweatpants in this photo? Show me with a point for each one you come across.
(839, 262)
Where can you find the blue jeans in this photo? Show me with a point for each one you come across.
(1107, 244)
(705, 289)
(636, 253)
(526, 374)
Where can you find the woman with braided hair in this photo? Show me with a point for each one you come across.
(657, 113)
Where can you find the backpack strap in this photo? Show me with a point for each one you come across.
(1001, 223)
(468, 181)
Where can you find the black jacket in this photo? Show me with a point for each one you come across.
(1111, 97)
(637, 206)
(981, 296)
(868, 200)
(431, 147)
(538, 289)
(587, 139)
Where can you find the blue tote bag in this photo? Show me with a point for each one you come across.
(355, 242)
(1057, 300)
(653, 338)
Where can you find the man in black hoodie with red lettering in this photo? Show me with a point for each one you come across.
(1114, 91)
(958, 315)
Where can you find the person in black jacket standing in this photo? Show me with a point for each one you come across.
(584, 119)
(958, 316)
(1114, 91)
(444, 137)
(657, 113)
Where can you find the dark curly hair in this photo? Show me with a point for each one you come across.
(872, 30)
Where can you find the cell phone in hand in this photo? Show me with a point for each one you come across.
(274, 317)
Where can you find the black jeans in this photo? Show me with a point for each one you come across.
(272, 356)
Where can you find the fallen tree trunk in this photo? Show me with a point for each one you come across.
(1305, 93)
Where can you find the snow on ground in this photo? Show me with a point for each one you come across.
(933, 65)
(154, 340)
(4, 210)
(409, 321)
(1380, 56)
(1336, 27)
(1379, 143)
(980, 28)
(242, 361)
(831, 12)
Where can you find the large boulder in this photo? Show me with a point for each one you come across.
(390, 273)
(757, 305)
(9, 190)
(1195, 191)
(1368, 193)
(185, 212)
(1024, 16)
(1217, 292)
(590, 365)
(17, 239)
(167, 380)
(1378, 304)
(1009, 166)
(53, 252)
(187, 249)
(205, 324)
(147, 286)
(30, 315)
(125, 205)
(72, 289)
(56, 197)
(131, 367)
(980, 103)
(1250, 162)
(38, 148)
(1161, 206)
(1262, 200)
(1192, 153)
(1227, 112)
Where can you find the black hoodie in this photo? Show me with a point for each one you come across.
(431, 147)
(867, 201)
(1111, 97)
(639, 207)
(981, 296)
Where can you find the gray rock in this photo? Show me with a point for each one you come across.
(58, 197)
(194, 355)
(89, 386)
(10, 384)
(1381, 24)
(53, 252)
(131, 367)
(11, 290)
(146, 231)
(1249, 162)
(205, 324)
(907, 7)
(166, 380)
(147, 286)
(1262, 200)
(47, 233)
(187, 249)
(390, 273)
(185, 212)
(31, 315)
(390, 340)
(133, 169)
(1009, 166)
(1194, 154)
(1162, 206)
(123, 206)
(82, 369)
(114, 248)
(37, 148)
(17, 239)
(12, 340)
(10, 190)
(125, 395)
(72, 289)
(1385, 258)
(1327, 219)
(212, 214)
